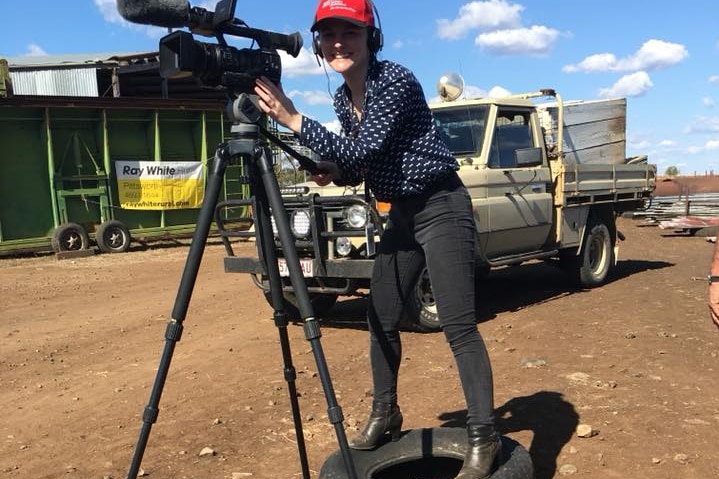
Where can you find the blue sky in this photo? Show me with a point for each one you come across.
(662, 55)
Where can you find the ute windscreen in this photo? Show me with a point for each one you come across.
(462, 129)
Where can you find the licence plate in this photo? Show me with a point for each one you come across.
(305, 265)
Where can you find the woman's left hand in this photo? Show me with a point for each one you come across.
(275, 103)
(328, 172)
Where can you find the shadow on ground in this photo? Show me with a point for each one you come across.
(551, 419)
(505, 290)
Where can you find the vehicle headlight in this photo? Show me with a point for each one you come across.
(356, 216)
(300, 223)
(343, 246)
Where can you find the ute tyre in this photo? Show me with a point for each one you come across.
(591, 267)
(113, 237)
(435, 453)
(321, 304)
(421, 314)
(69, 237)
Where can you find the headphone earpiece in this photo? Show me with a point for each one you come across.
(375, 39)
(316, 45)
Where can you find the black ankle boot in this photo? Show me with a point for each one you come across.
(384, 418)
(482, 453)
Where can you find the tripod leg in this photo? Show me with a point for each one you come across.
(182, 301)
(268, 254)
(271, 192)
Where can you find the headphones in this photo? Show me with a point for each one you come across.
(375, 38)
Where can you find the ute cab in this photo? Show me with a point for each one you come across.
(500, 147)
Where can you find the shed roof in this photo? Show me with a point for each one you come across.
(127, 74)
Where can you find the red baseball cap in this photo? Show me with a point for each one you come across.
(357, 12)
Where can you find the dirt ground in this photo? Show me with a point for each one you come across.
(81, 340)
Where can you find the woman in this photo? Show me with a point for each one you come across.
(389, 140)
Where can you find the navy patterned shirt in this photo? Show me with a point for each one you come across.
(395, 146)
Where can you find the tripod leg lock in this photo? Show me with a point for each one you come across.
(173, 331)
(290, 374)
(281, 319)
(334, 414)
(312, 329)
(149, 416)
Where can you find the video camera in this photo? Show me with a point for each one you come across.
(213, 65)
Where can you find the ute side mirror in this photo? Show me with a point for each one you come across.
(527, 157)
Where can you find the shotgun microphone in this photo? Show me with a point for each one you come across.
(160, 13)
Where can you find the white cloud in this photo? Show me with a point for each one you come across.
(304, 64)
(641, 145)
(471, 92)
(593, 63)
(108, 9)
(333, 126)
(652, 55)
(693, 150)
(501, 28)
(536, 40)
(714, 79)
(703, 124)
(398, 44)
(667, 143)
(314, 97)
(708, 101)
(486, 15)
(634, 84)
(498, 92)
(34, 50)
(712, 145)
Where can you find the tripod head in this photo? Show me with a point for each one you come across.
(244, 110)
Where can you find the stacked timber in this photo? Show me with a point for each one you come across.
(594, 131)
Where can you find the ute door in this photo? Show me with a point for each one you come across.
(519, 186)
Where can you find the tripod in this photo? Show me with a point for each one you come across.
(245, 145)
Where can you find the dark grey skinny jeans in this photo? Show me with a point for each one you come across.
(437, 226)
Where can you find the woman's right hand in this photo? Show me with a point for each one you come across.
(277, 105)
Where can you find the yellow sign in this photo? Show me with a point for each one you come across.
(154, 185)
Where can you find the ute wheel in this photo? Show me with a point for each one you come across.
(69, 237)
(421, 314)
(321, 304)
(112, 237)
(426, 454)
(592, 265)
(421, 311)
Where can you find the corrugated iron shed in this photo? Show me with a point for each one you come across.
(100, 75)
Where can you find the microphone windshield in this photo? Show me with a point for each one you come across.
(161, 13)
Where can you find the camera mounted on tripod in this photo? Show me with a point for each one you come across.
(215, 65)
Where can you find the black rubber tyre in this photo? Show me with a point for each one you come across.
(69, 237)
(421, 312)
(113, 237)
(321, 304)
(435, 453)
(591, 267)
